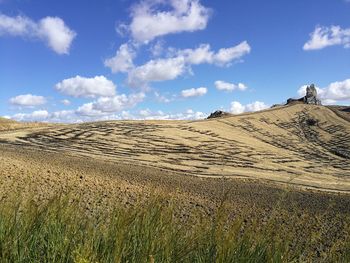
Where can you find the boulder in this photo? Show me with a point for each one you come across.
(309, 98)
(218, 114)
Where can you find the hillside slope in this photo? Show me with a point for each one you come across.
(6, 123)
(11, 125)
(301, 145)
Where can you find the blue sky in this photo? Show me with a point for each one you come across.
(72, 61)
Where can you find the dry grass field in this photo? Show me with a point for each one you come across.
(303, 145)
(292, 160)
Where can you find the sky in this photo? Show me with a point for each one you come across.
(77, 61)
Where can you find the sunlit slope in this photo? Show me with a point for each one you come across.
(4, 121)
(7, 124)
(301, 144)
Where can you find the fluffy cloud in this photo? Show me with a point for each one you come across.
(223, 57)
(104, 108)
(58, 36)
(194, 92)
(156, 70)
(160, 115)
(222, 85)
(328, 36)
(238, 108)
(40, 115)
(200, 55)
(339, 90)
(179, 62)
(122, 61)
(256, 106)
(71, 116)
(334, 92)
(28, 100)
(88, 109)
(52, 30)
(87, 87)
(106, 105)
(65, 116)
(149, 22)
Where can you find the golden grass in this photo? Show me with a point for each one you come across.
(275, 145)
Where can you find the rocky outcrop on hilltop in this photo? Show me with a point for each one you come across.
(218, 114)
(309, 98)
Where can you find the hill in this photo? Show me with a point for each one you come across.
(281, 174)
(11, 125)
(303, 145)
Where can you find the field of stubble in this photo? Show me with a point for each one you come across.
(288, 168)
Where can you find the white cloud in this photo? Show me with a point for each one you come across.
(156, 70)
(106, 105)
(162, 98)
(66, 116)
(122, 61)
(328, 36)
(222, 85)
(28, 100)
(333, 93)
(339, 90)
(65, 102)
(52, 30)
(104, 108)
(223, 57)
(256, 106)
(200, 55)
(39, 115)
(194, 92)
(149, 22)
(62, 116)
(87, 87)
(17, 26)
(72, 116)
(157, 49)
(58, 36)
(88, 109)
(238, 108)
(179, 62)
(160, 115)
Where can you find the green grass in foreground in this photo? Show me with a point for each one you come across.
(60, 231)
